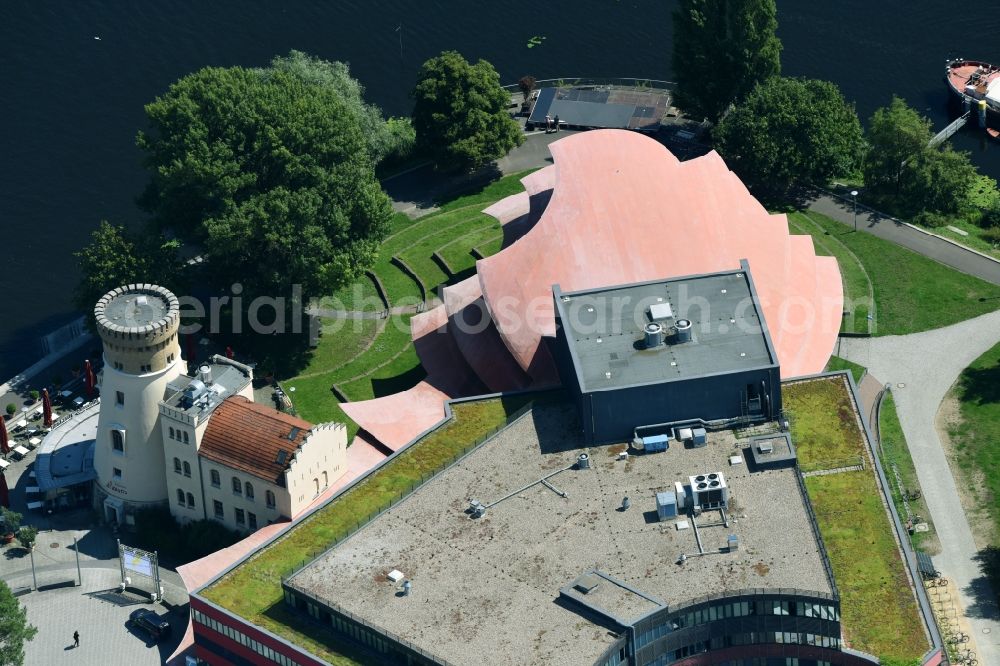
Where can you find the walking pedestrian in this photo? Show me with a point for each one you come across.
(76, 639)
(555, 121)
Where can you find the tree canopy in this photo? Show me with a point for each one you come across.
(386, 139)
(722, 49)
(904, 174)
(937, 181)
(15, 630)
(896, 133)
(270, 173)
(114, 257)
(460, 113)
(790, 131)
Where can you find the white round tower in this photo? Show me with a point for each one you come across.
(138, 324)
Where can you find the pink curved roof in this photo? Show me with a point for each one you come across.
(615, 208)
(439, 355)
(396, 419)
(540, 180)
(624, 209)
(477, 338)
(510, 208)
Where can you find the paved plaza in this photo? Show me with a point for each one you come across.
(96, 609)
(100, 613)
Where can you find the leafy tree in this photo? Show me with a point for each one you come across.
(896, 133)
(526, 84)
(789, 131)
(722, 49)
(387, 139)
(14, 628)
(937, 180)
(11, 519)
(114, 257)
(270, 173)
(26, 536)
(908, 177)
(460, 113)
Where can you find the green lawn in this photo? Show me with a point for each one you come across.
(976, 438)
(879, 613)
(491, 246)
(857, 287)
(418, 252)
(974, 239)
(836, 363)
(912, 293)
(895, 452)
(253, 590)
(313, 399)
(342, 340)
(360, 295)
(365, 365)
(823, 422)
(457, 252)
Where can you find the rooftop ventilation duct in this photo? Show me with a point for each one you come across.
(654, 335)
(682, 331)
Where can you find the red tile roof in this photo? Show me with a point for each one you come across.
(250, 437)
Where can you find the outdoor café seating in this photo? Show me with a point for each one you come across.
(20, 452)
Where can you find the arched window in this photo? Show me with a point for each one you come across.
(190, 499)
(248, 490)
(237, 486)
(269, 498)
(118, 440)
(180, 497)
(326, 479)
(186, 440)
(316, 483)
(216, 481)
(171, 432)
(187, 468)
(177, 465)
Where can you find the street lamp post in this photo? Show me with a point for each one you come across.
(854, 198)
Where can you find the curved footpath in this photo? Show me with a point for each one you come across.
(922, 368)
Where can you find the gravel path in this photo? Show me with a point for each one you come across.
(921, 368)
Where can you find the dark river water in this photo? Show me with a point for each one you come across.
(70, 104)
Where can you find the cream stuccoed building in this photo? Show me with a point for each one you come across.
(195, 440)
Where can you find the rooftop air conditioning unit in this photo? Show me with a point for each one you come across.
(709, 491)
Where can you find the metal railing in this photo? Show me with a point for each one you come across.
(584, 81)
(814, 524)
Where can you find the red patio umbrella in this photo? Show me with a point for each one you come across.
(4, 492)
(88, 380)
(46, 408)
(229, 352)
(4, 440)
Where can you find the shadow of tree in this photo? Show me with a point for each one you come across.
(389, 385)
(982, 590)
(980, 385)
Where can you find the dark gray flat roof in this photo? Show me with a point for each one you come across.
(604, 328)
(602, 107)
